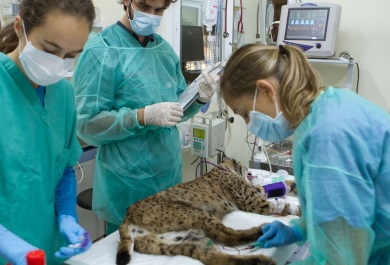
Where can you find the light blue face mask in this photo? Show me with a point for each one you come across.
(143, 24)
(266, 128)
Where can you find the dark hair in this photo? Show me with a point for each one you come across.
(33, 14)
(167, 3)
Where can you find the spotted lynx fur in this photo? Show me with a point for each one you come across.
(194, 210)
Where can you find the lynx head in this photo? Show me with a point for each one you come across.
(236, 167)
(233, 165)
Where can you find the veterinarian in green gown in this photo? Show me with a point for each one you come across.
(341, 154)
(33, 163)
(38, 143)
(120, 73)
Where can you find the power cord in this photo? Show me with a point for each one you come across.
(81, 171)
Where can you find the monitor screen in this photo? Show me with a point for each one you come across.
(192, 48)
(311, 26)
(199, 133)
(307, 24)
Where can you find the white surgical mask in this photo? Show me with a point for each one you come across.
(41, 67)
(143, 24)
(267, 128)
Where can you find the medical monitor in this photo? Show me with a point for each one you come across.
(192, 43)
(311, 26)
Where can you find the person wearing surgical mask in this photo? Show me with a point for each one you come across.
(267, 128)
(38, 143)
(128, 80)
(341, 153)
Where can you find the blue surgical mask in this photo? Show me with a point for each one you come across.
(143, 24)
(267, 128)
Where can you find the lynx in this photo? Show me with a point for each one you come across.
(184, 219)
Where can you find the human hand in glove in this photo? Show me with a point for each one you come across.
(163, 114)
(78, 239)
(207, 87)
(13, 248)
(277, 234)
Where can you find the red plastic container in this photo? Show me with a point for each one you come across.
(36, 257)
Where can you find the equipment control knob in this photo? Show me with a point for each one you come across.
(318, 45)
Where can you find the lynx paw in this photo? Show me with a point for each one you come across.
(294, 209)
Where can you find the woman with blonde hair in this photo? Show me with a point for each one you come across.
(341, 153)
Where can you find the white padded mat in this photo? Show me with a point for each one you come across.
(103, 252)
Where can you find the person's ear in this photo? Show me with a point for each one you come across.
(18, 27)
(266, 89)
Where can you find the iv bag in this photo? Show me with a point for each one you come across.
(210, 13)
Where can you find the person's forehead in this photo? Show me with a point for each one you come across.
(152, 3)
(239, 103)
(67, 31)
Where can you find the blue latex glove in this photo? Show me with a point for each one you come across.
(205, 107)
(13, 248)
(65, 196)
(78, 239)
(278, 234)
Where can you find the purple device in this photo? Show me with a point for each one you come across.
(277, 189)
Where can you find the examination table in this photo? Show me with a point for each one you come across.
(103, 252)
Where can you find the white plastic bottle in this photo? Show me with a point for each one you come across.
(210, 14)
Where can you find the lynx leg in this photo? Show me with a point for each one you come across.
(256, 205)
(216, 230)
(282, 207)
(174, 243)
(219, 258)
(195, 245)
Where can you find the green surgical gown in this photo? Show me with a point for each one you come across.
(36, 145)
(342, 169)
(115, 76)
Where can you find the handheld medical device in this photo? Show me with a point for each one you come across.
(311, 26)
(208, 136)
(188, 96)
